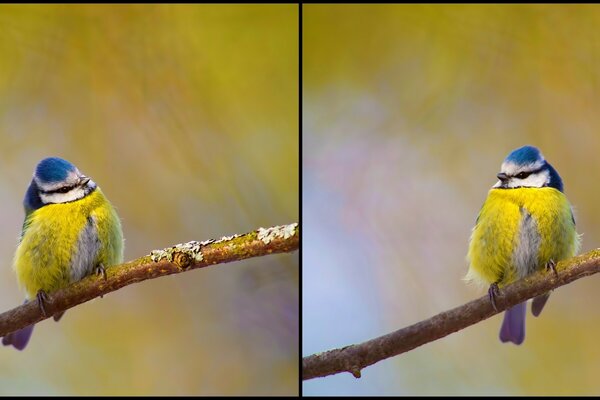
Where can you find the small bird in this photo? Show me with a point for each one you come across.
(526, 224)
(70, 231)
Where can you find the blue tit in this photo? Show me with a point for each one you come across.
(525, 224)
(70, 231)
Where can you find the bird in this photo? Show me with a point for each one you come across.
(70, 231)
(526, 224)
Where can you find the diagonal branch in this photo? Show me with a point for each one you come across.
(172, 260)
(355, 357)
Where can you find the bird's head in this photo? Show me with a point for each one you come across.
(526, 167)
(58, 181)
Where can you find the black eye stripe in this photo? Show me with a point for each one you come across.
(63, 189)
(525, 174)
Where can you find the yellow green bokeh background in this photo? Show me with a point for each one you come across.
(187, 118)
(409, 111)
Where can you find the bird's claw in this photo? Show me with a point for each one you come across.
(42, 297)
(101, 271)
(551, 265)
(493, 291)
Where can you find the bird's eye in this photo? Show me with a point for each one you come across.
(522, 175)
(64, 189)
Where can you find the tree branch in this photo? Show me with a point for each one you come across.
(355, 357)
(172, 260)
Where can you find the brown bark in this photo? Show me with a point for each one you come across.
(355, 357)
(179, 258)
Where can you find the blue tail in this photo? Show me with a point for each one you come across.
(513, 326)
(18, 339)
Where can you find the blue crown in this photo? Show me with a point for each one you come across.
(531, 155)
(53, 169)
(524, 155)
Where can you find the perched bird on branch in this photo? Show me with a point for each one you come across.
(525, 224)
(70, 231)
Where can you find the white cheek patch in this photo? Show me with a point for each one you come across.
(540, 179)
(512, 169)
(72, 195)
(71, 179)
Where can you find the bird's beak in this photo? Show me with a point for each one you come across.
(503, 180)
(502, 176)
(83, 180)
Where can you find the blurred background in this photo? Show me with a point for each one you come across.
(409, 111)
(187, 117)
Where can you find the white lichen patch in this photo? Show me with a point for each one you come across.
(226, 238)
(193, 249)
(280, 231)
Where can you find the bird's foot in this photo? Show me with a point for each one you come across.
(99, 270)
(42, 297)
(493, 291)
(551, 265)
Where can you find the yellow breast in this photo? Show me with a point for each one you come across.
(495, 254)
(44, 257)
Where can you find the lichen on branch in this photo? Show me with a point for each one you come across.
(172, 260)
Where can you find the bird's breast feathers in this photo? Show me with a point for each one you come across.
(62, 242)
(518, 231)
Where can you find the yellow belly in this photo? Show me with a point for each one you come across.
(44, 256)
(496, 235)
